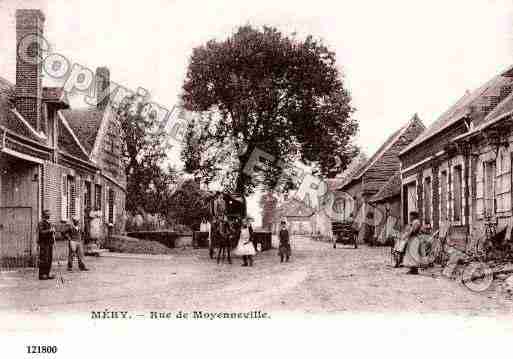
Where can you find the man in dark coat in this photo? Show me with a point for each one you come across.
(284, 247)
(45, 240)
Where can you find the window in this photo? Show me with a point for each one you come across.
(503, 182)
(409, 200)
(443, 196)
(111, 206)
(457, 192)
(489, 188)
(97, 197)
(427, 200)
(87, 196)
(69, 206)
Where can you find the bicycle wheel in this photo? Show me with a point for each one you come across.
(477, 276)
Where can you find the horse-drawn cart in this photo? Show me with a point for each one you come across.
(344, 233)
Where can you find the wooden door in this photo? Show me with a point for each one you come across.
(15, 235)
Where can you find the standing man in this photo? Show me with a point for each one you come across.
(220, 206)
(73, 235)
(45, 240)
(284, 247)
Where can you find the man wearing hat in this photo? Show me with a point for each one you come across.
(45, 240)
(219, 206)
(284, 247)
(73, 235)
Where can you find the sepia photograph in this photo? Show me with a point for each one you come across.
(181, 178)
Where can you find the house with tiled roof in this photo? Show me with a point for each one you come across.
(358, 190)
(52, 157)
(296, 214)
(458, 172)
(387, 210)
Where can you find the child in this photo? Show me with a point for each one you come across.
(284, 248)
(245, 247)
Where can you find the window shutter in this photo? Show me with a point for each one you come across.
(479, 189)
(450, 194)
(64, 197)
(106, 201)
(503, 189)
(76, 195)
(498, 181)
(507, 182)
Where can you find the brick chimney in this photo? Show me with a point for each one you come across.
(102, 87)
(29, 88)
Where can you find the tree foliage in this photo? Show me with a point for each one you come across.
(144, 149)
(276, 93)
(200, 156)
(188, 204)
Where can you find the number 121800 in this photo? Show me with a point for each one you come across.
(41, 349)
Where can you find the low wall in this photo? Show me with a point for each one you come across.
(168, 238)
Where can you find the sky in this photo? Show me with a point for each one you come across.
(398, 57)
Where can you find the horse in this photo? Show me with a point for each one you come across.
(222, 238)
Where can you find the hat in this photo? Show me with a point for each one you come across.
(46, 214)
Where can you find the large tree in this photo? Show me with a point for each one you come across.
(273, 92)
(145, 145)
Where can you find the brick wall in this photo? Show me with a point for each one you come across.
(29, 89)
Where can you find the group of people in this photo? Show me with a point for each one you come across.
(243, 235)
(71, 232)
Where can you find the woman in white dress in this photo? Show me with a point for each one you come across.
(245, 247)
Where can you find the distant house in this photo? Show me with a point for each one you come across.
(52, 157)
(377, 171)
(458, 172)
(296, 214)
(336, 208)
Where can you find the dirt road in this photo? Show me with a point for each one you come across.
(319, 279)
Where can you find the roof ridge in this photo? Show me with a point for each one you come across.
(493, 114)
(457, 110)
(73, 134)
(389, 142)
